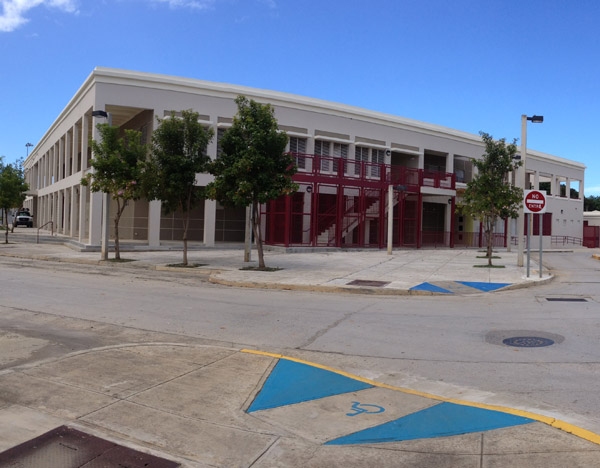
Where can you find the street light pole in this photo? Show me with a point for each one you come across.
(104, 246)
(27, 145)
(522, 181)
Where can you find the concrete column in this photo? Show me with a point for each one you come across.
(61, 211)
(210, 216)
(68, 153)
(61, 158)
(568, 188)
(50, 212)
(154, 215)
(536, 180)
(82, 212)
(67, 212)
(74, 211)
(422, 160)
(85, 136)
(211, 149)
(581, 192)
(76, 148)
(450, 163)
(95, 225)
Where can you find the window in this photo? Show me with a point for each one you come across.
(298, 145)
(339, 151)
(377, 157)
(360, 154)
(220, 133)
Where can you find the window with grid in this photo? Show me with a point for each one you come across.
(298, 145)
(340, 150)
(361, 155)
(322, 149)
(220, 133)
(377, 157)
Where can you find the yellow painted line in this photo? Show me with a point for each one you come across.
(556, 423)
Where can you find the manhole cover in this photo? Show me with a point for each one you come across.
(566, 299)
(65, 447)
(528, 341)
(373, 284)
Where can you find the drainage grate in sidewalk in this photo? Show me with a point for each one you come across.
(65, 447)
(566, 299)
(371, 283)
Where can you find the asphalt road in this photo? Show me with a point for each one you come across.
(449, 346)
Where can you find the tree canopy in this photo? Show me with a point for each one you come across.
(179, 146)
(253, 167)
(118, 169)
(12, 190)
(490, 196)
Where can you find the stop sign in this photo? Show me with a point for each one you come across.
(535, 201)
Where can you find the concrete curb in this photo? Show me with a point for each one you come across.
(360, 290)
(211, 272)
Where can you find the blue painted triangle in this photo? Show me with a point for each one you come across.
(430, 287)
(293, 382)
(445, 419)
(484, 286)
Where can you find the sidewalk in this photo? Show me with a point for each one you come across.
(410, 271)
(211, 406)
(207, 406)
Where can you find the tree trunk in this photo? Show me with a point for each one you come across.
(257, 234)
(186, 222)
(490, 240)
(120, 210)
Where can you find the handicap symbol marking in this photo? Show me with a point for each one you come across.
(361, 408)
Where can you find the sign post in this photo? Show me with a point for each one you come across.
(534, 202)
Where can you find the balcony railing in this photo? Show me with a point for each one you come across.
(353, 172)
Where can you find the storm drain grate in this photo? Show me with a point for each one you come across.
(566, 299)
(528, 341)
(65, 447)
(372, 283)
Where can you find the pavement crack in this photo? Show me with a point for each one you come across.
(264, 452)
(321, 332)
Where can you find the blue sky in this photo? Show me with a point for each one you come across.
(466, 64)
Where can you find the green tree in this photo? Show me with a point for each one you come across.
(490, 196)
(252, 167)
(178, 154)
(118, 164)
(12, 190)
(591, 203)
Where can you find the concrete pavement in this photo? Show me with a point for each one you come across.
(409, 271)
(205, 406)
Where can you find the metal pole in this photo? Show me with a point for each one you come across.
(528, 242)
(541, 242)
(104, 247)
(390, 228)
(521, 183)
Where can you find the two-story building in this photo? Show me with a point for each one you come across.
(347, 158)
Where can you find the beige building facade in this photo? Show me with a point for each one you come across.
(365, 143)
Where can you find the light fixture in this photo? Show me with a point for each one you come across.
(536, 118)
(100, 113)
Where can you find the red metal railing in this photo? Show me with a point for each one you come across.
(353, 172)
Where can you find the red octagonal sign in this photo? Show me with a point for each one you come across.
(535, 201)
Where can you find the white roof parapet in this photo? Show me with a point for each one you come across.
(167, 82)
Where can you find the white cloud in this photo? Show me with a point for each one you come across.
(13, 11)
(196, 4)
